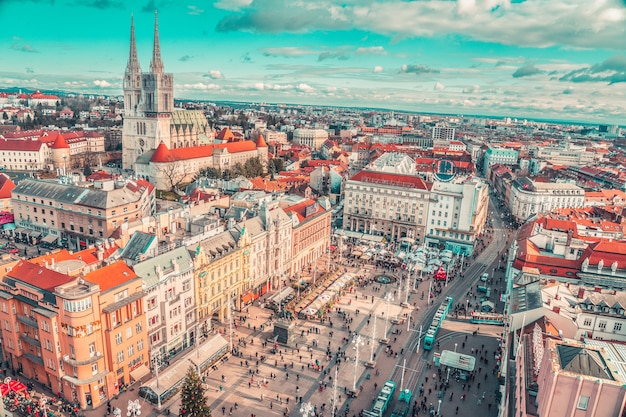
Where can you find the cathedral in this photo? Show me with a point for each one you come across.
(183, 138)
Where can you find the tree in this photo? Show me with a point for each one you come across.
(5, 116)
(87, 170)
(193, 402)
(173, 171)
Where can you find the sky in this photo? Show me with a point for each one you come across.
(549, 59)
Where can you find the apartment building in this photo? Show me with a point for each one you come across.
(528, 197)
(313, 138)
(170, 303)
(80, 215)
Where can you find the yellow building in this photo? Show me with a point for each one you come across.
(221, 272)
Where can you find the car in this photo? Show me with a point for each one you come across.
(484, 277)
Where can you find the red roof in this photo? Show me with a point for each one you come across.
(20, 145)
(260, 142)
(60, 143)
(163, 154)
(38, 276)
(225, 134)
(111, 276)
(6, 185)
(385, 178)
(300, 209)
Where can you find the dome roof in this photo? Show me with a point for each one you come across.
(161, 154)
(260, 142)
(60, 143)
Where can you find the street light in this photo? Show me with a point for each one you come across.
(133, 409)
(357, 342)
(388, 298)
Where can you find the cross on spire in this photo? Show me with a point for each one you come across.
(156, 65)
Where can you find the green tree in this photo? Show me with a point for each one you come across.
(193, 402)
(5, 116)
(87, 170)
(279, 164)
(253, 168)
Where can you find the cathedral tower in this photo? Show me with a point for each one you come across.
(132, 77)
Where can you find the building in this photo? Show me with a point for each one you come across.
(81, 335)
(313, 138)
(149, 114)
(576, 378)
(496, 155)
(24, 155)
(443, 133)
(565, 153)
(456, 214)
(387, 204)
(170, 305)
(530, 197)
(310, 230)
(221, 274)
(78, 215)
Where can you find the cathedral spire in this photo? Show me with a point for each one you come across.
(133, 62)
(156, 65)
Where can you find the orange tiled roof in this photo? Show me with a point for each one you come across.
(111, 276)
(38, 276)
(163, 154)
(6, 185)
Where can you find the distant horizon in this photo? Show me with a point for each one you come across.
(548, 59)
(381, 109)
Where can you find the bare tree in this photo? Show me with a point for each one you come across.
(174, 171)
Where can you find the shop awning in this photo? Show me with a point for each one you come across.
(49, 239)
(20, 230)
(247, 298)
(139, 372)
(8, 226)
(34, 234)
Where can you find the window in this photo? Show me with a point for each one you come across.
(94, 368)
(77, 306)
(118, 339)
(140, 345)
(120, 356)
(131, 350)
(602, 324)
(583, 402)
(138, 328)
(617, 327)
(587, 322)
(129, 333)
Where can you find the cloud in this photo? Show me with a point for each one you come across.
(185, 58)
(305, 88)
(372, 50)
(527, 71)
(378, 68)
(214, 75)
(23, 48)
(339, 55)
(194, 10)
(475, 89)
(287, 52)
(231, 4)
(568, 90)
(418, 69)
(102, 83)
(200, 86)
(611, 70)
(100, 4)
(439, 87)
(539, 23)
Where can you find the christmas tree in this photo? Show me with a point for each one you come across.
(193, 403)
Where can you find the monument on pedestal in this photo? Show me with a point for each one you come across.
(284, 329)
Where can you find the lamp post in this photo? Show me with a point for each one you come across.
(439, 408)
(333, 400)
(373, 338)
(388, 298)
(357, 342)
(133, 409)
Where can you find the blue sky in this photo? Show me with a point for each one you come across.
(536, 58)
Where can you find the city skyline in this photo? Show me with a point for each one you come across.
(526, 59)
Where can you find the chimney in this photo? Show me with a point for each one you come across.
(581, 293)
(556, 309)
(597, 289)
(100, 253)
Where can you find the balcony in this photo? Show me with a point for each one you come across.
(29, 321)
(33, 342)
(73, 362)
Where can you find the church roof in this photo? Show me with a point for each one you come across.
(60, 143)
(260, 142)
(162, 154)
(225, 134)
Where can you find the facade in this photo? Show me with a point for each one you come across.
(457, 214)
(529, 197)
(443, 133)
(310, 237)
(313, 138)
(502, 156)
(387, 204)
(221, 274)
(149, 114)
(566, 154)
(24, 155)
(579, 379)
(67, 330)
(78, 214)
(169, 303)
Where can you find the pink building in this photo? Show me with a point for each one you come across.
(580, 379)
